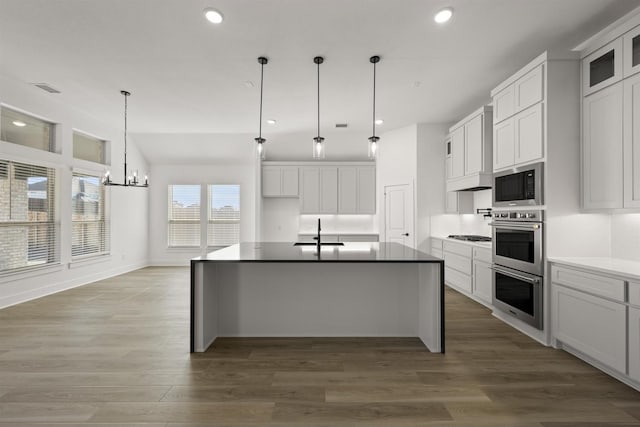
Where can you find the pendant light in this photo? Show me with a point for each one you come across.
(131, 179)
(260, 148)
(318, 141)
(373, 140)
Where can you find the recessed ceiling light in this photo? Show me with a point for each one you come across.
(379, 122)
(213, 15)
(444, 15)
(271, 121)
(19, 123)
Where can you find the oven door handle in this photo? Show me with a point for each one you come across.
(515, 226)
(533, 281)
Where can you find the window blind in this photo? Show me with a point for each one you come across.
(223, 228)
(89, 228)
(28, 228)
(184, 215)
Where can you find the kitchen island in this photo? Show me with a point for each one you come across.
(269, 289)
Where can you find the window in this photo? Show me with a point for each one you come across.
(86, 147)
(223, 228)
(28, 228)
(89, 228)
(22, 129)
(184, 215)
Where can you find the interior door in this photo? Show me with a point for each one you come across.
(399, 214)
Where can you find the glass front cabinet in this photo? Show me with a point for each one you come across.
(602, 67)
(631, 57)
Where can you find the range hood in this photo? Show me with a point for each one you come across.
(475, 182)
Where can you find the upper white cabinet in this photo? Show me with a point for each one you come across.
(602, 68)
(602, 148)
(279, 181)
(631, 147)
(457, 152)
(338, 189)
(458, 202)
(518, 128)
(356, 190)
(469, 152)
(528, 89)
(631, 52)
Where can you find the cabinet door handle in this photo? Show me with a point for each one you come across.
(406, 234)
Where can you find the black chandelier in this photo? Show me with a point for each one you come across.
(131, 179)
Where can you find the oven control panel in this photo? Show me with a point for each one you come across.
(526, 216)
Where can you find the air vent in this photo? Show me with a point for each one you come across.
(342, 125)
(46, 87)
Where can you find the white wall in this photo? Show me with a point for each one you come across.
(165, 175)
(445, 224)
(396, 164)
(625, 236)
(128, 206)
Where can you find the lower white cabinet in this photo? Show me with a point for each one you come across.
(482, 274)
(592, 325)
(467, 268)
(436, 248)
(634, 343)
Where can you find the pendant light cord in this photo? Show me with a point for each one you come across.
(318, 63)
(126, 95)
(261, 84)
(374, 99)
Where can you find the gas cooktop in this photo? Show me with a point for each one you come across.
(470, 237)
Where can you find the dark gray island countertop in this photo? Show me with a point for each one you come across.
(287, 252)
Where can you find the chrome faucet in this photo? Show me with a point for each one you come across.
(317, 238)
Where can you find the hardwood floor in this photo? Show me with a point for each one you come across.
(116, 353)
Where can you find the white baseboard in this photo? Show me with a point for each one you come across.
(9, 300)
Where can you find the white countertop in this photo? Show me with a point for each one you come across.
(622, 267)
(486, 245)
(333, 233)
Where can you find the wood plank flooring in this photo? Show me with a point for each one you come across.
(116, 353)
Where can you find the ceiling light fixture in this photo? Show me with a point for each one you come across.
(213, 15)
(318, 142)
(373, 140)
(444, 15)
(19, 123)
(131, 179)
(379, 122)
(271, 122)
(260, 149)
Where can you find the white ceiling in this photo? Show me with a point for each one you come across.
(188, 76)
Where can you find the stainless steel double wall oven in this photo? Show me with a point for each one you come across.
(518, 258)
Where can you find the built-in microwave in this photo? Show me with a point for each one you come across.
(521, 186)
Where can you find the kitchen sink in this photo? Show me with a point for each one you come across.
(322, 244)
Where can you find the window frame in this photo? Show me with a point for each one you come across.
(52, 145)
(171, 221)
(211, 222)
(53, 219)
(103, 142)
(103, 207)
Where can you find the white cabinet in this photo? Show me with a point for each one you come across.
(473, 146)
(338, 189)
(602, 68)
(631, 139)
(634, 343)
(457, 152)
(528, 136)
(518, 138)
(592, 325)
(279, 181)
(458, 266)
(528, 90)
(458, 202)
(631, 52)
(356, 190)
(503, 145)
(436, 247)
(469, 147)
(602, 144)
(482, 274)
(328, 190)
(366, 193)
(503, 104)
(358, 238)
